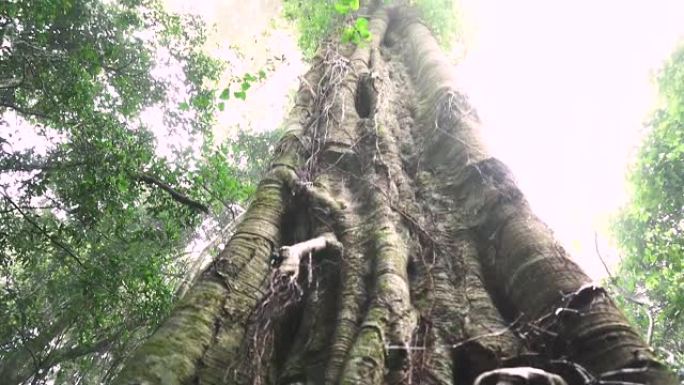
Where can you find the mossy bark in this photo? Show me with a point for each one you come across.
(442, 271)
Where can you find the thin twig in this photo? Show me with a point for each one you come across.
(626, 295)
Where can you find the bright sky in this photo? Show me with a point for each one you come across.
(251, 36)
(562, 88)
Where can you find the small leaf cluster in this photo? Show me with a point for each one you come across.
(315, 20)
(345, 6)
(244, 83)
(443, 17)
(357, 33)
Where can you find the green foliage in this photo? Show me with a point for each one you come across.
(245, 83)
(92, 218)
(650, 230)
(357, 33)
(234, 168)
(346, 6)
(442, 16)
(315, 20)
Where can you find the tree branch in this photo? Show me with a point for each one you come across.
(15, 165)
(175, 195)
(10, 83)
(24, 111)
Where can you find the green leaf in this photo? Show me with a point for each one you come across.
(184, 106)
(221, 106)
(365, 35)
(245, 86)
(262, 74)
(122, 185)
(240, 95)
(225, 94)
(348, 35)
(341, 8)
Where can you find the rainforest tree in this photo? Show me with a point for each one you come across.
(384, 245)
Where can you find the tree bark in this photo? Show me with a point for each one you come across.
(442, 274)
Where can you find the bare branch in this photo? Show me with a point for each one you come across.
(626, 295)
(24, 111)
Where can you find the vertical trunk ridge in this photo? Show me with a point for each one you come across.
(439, 274)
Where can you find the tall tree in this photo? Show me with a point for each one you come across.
(384, 245)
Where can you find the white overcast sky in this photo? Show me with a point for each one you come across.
(563, 89)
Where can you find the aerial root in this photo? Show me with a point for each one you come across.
(284, 289)
(284, 292)
(291, 256)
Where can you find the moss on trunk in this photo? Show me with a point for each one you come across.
(440, 271)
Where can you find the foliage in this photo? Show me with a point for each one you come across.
(245, 84)
(650, 229)
(357, 33)
(314, 19)
(346, 6)
(442, 16)
(219, 99)
(233, 169)
(92, 217)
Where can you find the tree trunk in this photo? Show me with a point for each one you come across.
(417, 258)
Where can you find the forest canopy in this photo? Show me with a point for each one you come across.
(97, 201)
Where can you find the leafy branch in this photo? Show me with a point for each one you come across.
(43, 231)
